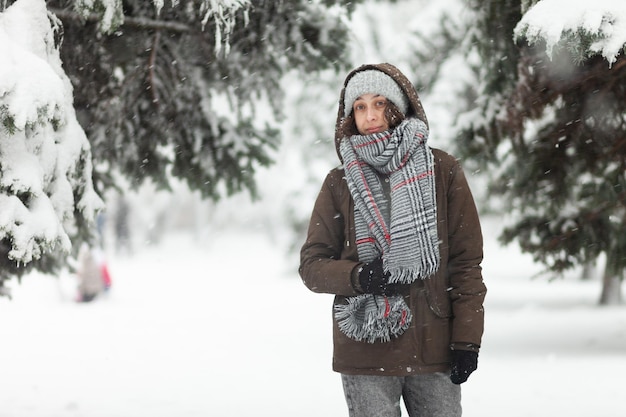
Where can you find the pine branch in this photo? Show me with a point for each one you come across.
(151, 70)
(137, 22)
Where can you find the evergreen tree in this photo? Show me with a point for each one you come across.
(187, 90)
(573, 90)
(549, 127)
(45, 163)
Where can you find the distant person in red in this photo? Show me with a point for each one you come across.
(92, 273)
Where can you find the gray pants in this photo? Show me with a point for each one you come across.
(428, 395)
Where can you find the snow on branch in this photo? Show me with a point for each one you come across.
(45, 159)
(599, 27)
(110, 15)
(223, 13)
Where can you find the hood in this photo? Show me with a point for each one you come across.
(415, 105)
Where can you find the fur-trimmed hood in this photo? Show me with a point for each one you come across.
(415, 104)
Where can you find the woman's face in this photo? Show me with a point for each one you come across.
(369, 114)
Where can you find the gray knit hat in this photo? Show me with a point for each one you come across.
(374, 82)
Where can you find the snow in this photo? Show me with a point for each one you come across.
(550, 20)
(224, 327)
(33, 78)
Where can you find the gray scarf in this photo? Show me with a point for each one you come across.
(407, 240)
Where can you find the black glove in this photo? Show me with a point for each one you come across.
(463, 363)
(374, 280)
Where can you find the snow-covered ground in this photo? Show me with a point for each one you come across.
(225, 327)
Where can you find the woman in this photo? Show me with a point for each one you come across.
(395, 235)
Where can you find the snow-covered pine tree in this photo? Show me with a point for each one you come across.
(573, 83)
(549, 128)
(192, 89)
(46, 194)
(187, 89)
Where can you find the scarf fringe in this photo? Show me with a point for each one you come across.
(408, 275)
(373, 318)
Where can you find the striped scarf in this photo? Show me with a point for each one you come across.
(403, 231)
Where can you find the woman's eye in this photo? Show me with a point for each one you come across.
(381, 103)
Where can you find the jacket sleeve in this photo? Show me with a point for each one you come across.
(321, 265)
(467, 289)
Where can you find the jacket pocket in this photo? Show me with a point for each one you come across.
(433, 331)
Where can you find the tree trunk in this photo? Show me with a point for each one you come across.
(611, 284)
(588, 271)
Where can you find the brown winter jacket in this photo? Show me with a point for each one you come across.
(447, 307)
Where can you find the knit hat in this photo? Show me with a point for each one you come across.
(374, 82)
